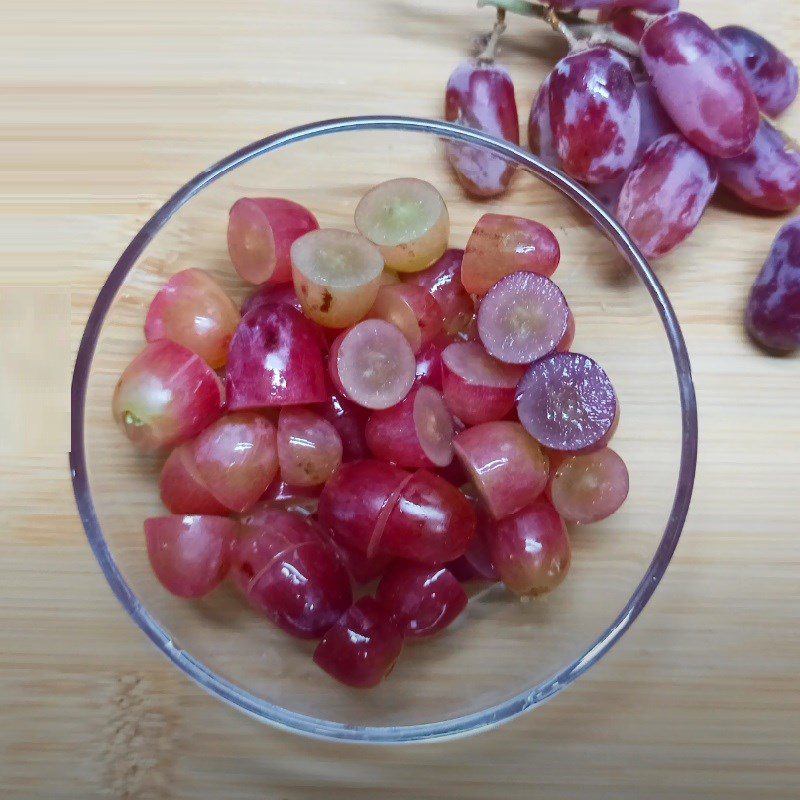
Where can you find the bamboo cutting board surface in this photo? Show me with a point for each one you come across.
(108, 108)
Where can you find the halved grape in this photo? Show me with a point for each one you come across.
(363, 569)
(540, 131)
(270, 294)
(429, 362)
(193, 310)
(410, 309)
(286, 570)
(476, 564)
(664, 198)
(422, 600)
(566, 402)
(417, 432)
(432, 522)
(309, 447)
(237, 458)
(700, 85)
(303, 500)
(260, 235)
(506, 466)
(522, 318)
(337, 275)
(773, 311)
(531, 549)
(190, 555)
(166, 395)
(767, 175)
(361, 649)
(481, 96)
(478, 388)
(591, 487)
(594, 114)
(182, 489)
(569, 335)
(408, 220)
(349, 420)
(275, 359)
(772, 75)
(373, 364)
(443, 282)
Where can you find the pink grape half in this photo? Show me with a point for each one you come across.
(417, 432)
(412, 310)
(591, 487)
(270, 294)
(476, 564)
(349, 420)
(165, 396)
(500, 245)
(373, 364)
(190, 555)
(275, 359)
(182, 489)
(429, 362)
(506, 465)
(567, 403)
(523, 317)
(478, 388)
(309, 447)
(260, 234)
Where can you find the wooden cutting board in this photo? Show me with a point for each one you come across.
(108, 108)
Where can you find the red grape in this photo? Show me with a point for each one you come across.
(506, 465)
(501, 245)
(237, 458)
(286, 570)
(193, 310)
(664, 198)
(531, 550)
(443, 282)
(166, 395)
(373, 364)
(476, 564)
(773, 312)
(700, 85)
(417, 432)
(594, 114)
(591, 487)
(363, 569)
(182, 489)
(767, 175)
(429, 363)
(625, 21)
(260, 235)
(522, 318)
(280, 495)
(349, 420)
(772, 75)
(540, 132)
(566, 402)
(190, 555)
(410, 309)
(275, 359)
(422, 600)
(477, 387)
(481, 96)
(408, 221)
(269, 294)
(362, 647)
(309, 447)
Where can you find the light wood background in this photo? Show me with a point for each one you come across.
(106, 109)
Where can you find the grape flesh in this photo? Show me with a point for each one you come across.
(481, 96)
(594, 114)
(772, 75)
(700, 85)
(766, 176)
(773, 311)
(665, 196)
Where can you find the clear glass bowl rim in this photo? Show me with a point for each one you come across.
(324, 729)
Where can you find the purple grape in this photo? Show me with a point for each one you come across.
(772, 75)
(700, 85)
(664, 198)
(773, 312)
(567, 403)
(594, 114)
(650, 6)
(540, 134)
(767, 175)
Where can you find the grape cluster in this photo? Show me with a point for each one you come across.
(652, 110)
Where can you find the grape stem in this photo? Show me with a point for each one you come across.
(577, 31)
(489, 49)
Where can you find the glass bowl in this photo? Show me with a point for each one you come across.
(503, 657)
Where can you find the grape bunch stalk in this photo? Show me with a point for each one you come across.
(653, 111)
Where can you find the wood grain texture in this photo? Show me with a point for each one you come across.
(108, 107)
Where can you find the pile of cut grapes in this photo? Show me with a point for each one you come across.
(384, 422)
(653, 111)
